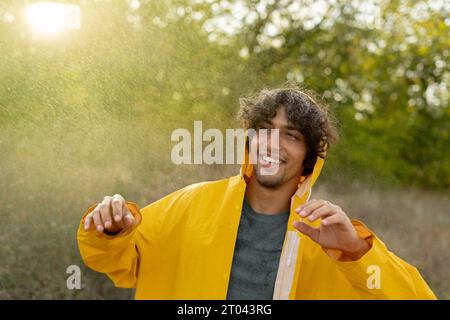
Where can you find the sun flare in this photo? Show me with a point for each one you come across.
(52, 18)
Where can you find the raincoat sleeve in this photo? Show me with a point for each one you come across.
(117, 256)
(380, 274)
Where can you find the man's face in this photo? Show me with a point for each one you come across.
(276, 165)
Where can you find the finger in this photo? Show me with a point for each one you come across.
(105, 212)
(87, 222)
(97, 221)
(129, 220)
(321, 212)
(310, 206)
(307, 230)
(334, 219)
(300, 207)
(117, 207)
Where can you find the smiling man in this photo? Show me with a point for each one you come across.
(254, 235)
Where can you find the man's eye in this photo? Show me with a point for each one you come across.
(291, 136)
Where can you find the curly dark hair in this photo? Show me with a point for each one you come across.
(304, 112)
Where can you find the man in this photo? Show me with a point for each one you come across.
(254, 235)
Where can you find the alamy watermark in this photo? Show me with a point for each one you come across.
(73, 281)
(374, 279)
(189, 148)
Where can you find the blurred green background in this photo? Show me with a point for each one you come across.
(90, 92)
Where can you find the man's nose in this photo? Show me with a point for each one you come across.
(270, 141)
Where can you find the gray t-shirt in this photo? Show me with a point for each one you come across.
(257, 254)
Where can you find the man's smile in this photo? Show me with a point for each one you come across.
(267, 161)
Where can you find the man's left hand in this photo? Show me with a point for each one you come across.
(336, 231)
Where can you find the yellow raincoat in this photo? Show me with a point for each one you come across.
(184, 243)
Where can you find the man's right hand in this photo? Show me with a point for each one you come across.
(111, 214)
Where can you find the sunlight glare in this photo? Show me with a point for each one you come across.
(52, 18)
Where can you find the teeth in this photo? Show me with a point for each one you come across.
(270, 160)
